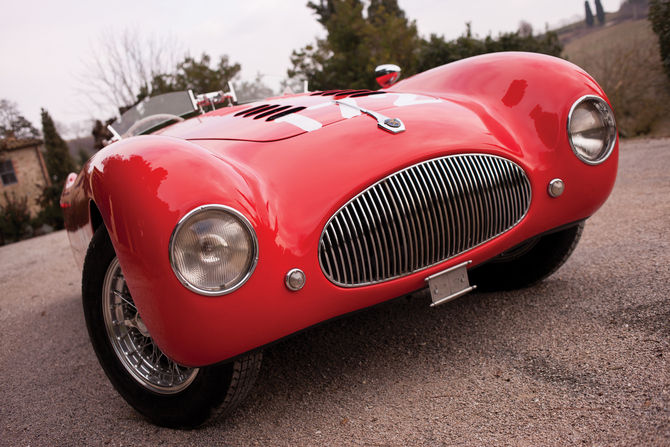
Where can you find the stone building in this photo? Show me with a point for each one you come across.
(22, 170)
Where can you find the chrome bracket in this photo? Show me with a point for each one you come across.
(393, 125)
(449, 284)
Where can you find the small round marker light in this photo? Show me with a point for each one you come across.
(556, 187)
(295, 279)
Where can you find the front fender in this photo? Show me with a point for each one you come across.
(522, 98)
(142, 190)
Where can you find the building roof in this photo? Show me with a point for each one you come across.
(10, 144)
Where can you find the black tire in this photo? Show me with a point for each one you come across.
(527, 263)
(168, 394)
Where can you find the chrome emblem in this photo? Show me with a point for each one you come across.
(393, 122)
(393, 125)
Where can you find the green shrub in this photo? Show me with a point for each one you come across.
(51, 212)
(14, 218)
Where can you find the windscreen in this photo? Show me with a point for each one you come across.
(161, 108)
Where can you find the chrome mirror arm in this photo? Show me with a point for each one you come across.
(115, 135)
(232, 93)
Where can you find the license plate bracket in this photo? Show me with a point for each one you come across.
(449, 284)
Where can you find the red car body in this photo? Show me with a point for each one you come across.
(288, 178)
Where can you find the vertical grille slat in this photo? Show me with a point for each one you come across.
(330, 254)
(405, 251)
(380, 236)
(413, 211)
(460, 196)
(421, 216)
(393, 242)
(438, 202)
(368, 241)
(345, 262)
(507, 206)
(418, 189)
(430, 202)
(473, 200)
(489, 170)
(362, 239)
(475, 168)
(350, 247)
(451, 225)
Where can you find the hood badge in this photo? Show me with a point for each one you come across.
(393, 122)
(393, 125)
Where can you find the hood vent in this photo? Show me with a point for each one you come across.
(339, 94)
(269, 111)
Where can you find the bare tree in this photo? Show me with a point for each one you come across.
(12, 121)
(120, 66)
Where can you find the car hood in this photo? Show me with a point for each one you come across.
(285, 117)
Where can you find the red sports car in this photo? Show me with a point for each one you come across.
(204, 237)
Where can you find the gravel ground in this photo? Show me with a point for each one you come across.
(579, 359)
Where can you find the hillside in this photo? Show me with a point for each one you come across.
(629, 11)
(607, 38)
(624, 58)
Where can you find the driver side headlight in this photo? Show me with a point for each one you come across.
(213, 250)
(591, 129)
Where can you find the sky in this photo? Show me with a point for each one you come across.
(44, 44)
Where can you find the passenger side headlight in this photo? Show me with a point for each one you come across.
(213, 250)
(591, 129)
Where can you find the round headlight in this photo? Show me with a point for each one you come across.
(591, 129)
(213, 250)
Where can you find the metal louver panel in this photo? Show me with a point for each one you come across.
(421, 216)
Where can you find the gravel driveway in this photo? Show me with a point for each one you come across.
(581, 358)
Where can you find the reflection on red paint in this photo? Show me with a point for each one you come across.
(134, 213)
(515, 93)
(546, 125)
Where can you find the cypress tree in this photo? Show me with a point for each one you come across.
(659, 16)
(589, 14)
(600, 12)
(59, 164)
(57, 157)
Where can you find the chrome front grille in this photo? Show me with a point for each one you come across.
(421, 216)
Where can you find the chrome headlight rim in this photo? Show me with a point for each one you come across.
(602, 103)
(252, 236)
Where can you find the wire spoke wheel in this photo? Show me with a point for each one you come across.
(132, 342)
(169, 394)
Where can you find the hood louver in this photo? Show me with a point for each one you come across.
(270, 112)
(339, 94)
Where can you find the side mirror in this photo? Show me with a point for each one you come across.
(387, 74)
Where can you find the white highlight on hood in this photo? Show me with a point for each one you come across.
(301, 121)
(349, 112)
(407, 99)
